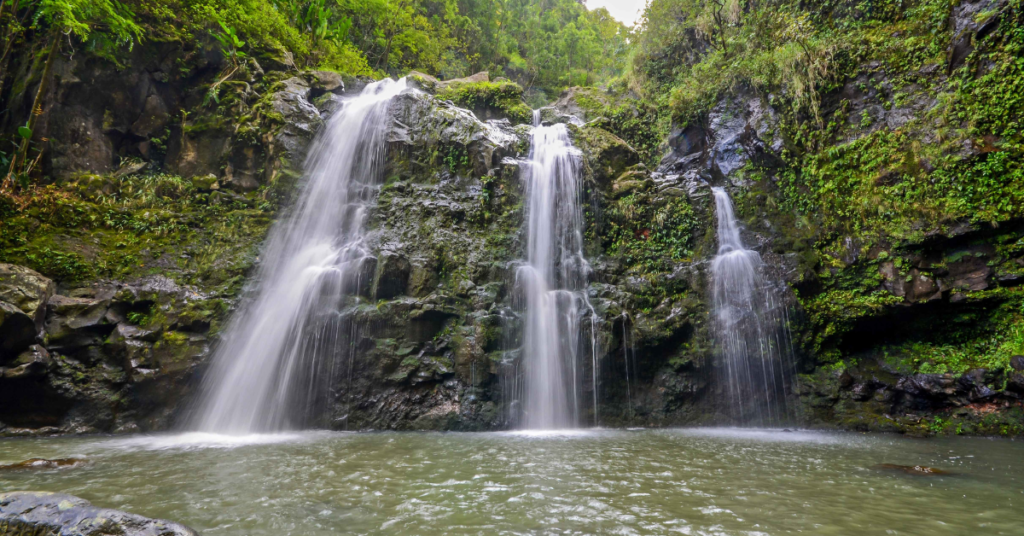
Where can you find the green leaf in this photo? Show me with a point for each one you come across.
(25, 132)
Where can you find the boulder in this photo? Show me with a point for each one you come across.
(1015, 375)
(684, 141)
(429, 83)
(929, 385)
(973, 382)
(76, 322)
(31, 363)
(199, 152)
(276, 59)
(584, 104)
(26, 289)
(423, 81)
(206, 182)
(43, 463)
(551, 115)
(606, 154)
(968, 272)
(321, 82)
(923, 288)
(155, 116)
(37, 512)
(630, 182)
(418, 121)
(917, 470)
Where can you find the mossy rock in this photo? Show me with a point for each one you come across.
(489, 100)
(607, 155)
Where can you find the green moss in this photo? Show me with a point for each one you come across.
(986, 333)
(650, 236)
(503, 98)
(638, 122)
(135, 226)
(834, 312)
(878, 185)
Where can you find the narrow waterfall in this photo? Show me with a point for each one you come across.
(274, 367)
(553, 284)
(749, 326)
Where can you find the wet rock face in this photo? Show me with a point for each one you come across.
(740, 128)
(100, 117)
(605, 154)
(300, 118)
(969, 27)
(874, 396)
(425, 353)
(110, 356)
(420, 124)
(435, 300)
(34, 512)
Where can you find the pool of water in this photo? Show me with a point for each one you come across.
(686, 481)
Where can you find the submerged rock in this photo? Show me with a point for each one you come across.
(42, 463)
(921, 470)
(37, 512)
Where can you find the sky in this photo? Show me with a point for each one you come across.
(627, 11)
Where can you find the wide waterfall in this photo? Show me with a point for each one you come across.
(553, 284)
(275, 365)
(750, 325)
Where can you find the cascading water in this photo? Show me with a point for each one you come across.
(750, 325)
(552, 283)
(277, 360)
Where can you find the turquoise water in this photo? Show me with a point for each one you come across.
(686, 481)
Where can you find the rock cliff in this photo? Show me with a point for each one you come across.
(120, 274)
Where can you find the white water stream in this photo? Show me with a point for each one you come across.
(750, 328)
(553, 284)
(273, 368)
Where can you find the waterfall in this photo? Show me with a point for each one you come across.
(275, 364)
(552, 283)
(749, 325)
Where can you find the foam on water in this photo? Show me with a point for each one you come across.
(206, 440)
(561, 433)
(768, 435)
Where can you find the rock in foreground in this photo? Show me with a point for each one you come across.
(37, 512)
